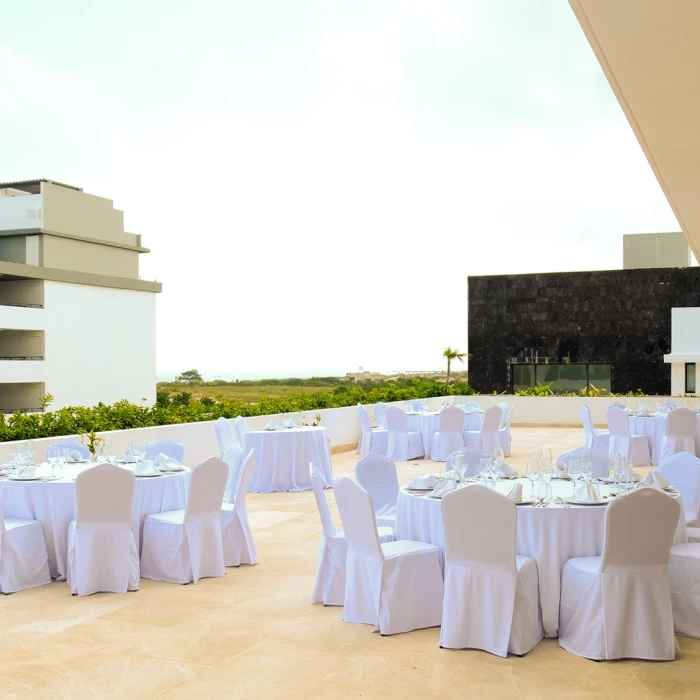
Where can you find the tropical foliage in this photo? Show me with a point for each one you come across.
(589, 392)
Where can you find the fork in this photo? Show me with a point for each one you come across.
(561, 502)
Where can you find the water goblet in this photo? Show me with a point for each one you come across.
(532, 471)
(574, 474)
(546, 456)
(485, 469)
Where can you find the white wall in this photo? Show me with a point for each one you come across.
(21, 212)
(685, 330)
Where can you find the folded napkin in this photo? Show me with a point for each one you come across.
(166, 464)
(271, 425)
(563, 470)
(444, 487)
(427, 481)
(289, 423)
(587, 493)
(146, 468)
(516, 493)
(507, 470)
(629, 411)
(653, 478)
(26, 473)
(75, 456)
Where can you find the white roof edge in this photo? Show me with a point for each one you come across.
(682, 357)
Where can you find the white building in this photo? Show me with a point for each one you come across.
(75, 319)
(685, 350)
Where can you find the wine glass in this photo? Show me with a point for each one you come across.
(52, 457)
(485, 468)
(574, 473)
(458, 466)
(546, 456)
(532, 471)
(138, 450)
(497, 459)
(108, 451)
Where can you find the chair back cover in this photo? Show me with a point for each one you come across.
(396, 420)
(492, 418)
(479, 529)
(75, 445)
(233, 457)
(380, 414)
(473, 457)
(504, 412)
(318, 483)
(617, 404)
(587, 420)
(364, 418)
(601, 463)
(682, 471)
(509, 416)
(246, 476)
(357, 514)
(207, 488)
(166, 446)
(618, 422)
(639, 530)
(378, 477)
(241, 426)
(224, 434)
(104, 496)
(682, 422)
(452, 420)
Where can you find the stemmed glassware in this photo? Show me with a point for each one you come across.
(22, 453)
(485, 469)
(574, 474)
(459, 466)
(546, 456)
(497, 459)
(532, 470)
(138, 450)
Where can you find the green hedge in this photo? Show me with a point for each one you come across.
(184, 408)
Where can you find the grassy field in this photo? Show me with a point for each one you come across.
(248, 394)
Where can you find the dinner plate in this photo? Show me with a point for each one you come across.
(23, 478)
(146, 476)
(410, 488)
(526, 502)
(173, 471)
(603, 502)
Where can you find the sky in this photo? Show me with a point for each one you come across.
(317, 178)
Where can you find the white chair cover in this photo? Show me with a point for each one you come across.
(240, 424)
(71, 445)
(380, 414)
(684, 571)
(597, 440)
(682, 471)
(491, 595)
(450, 437)
(377, 475)
(402, 444)
(635, 448)
(181, 546)
(167, 446)
(224, 434)
(504, 435)
(619, 605)
(473, 457)
(601, 464)
(682, 423)
(617, 404)
(24, 562)
(370, 440)
(504, 410)
(102, 551)
(486, 438)
(233, 457)
(237, 538)
(396, 586)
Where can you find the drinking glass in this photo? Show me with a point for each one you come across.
(574, 473)
(497, 459)
(52, 457)
(459, 465)
(485, 469)
(138, 450)
(109, 453)
(100, 455)
(532, 471)
(546, 472)
(546, 456)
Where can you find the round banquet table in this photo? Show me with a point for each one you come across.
(551, 535)
(655, 427)
(52, 503)
(282, 458)
(427, 424)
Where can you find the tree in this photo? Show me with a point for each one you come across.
(450, 355)
(190, 376)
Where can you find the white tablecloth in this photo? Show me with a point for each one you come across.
(52, 503)
(282, 458)
(551, 536)
(655, 428)
(427, 424)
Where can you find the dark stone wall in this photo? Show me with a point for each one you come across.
(618, 317)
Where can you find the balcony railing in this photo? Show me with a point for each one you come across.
(24, 306)
(23, 357)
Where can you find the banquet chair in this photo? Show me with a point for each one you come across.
(597, 440)
(182, 546)
(473, 457)
(236, 536)
(634, 448)
(380, 414)
(684, 572)
(505, 438)
(618, 605)
(24, 562)
(450, 437)
(167, 446)
(71, 445)
(491, 597)
(240, 425)
(601, 464)
(377, 475)
(504, 408)
(395, 586)
(680, 437)
(402, 444)
(329, 587)
(682, 471)
(486, 438)
(617, 404)
(102, 551)
(224, 434)
(370, 440)
(233, 458)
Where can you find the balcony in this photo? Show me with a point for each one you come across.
(21, 396)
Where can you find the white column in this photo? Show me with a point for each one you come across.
(677, 378)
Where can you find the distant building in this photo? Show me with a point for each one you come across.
(77, 321)
(364, 376)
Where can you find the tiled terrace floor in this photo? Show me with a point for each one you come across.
(253, 634)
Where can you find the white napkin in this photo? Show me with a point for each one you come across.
(271, 425)
(563, 470)
(507, 470)
(653, 478)
(146, 468)
(427, 481)
(444, 487)
(516, 493)
(26, 473)
(75, 456)
(587, 493)
(628, 411)
(166, 464)
(289, 423)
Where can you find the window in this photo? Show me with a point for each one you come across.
(564, 377)
(690, 378)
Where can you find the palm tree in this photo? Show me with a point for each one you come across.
(450, 355)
